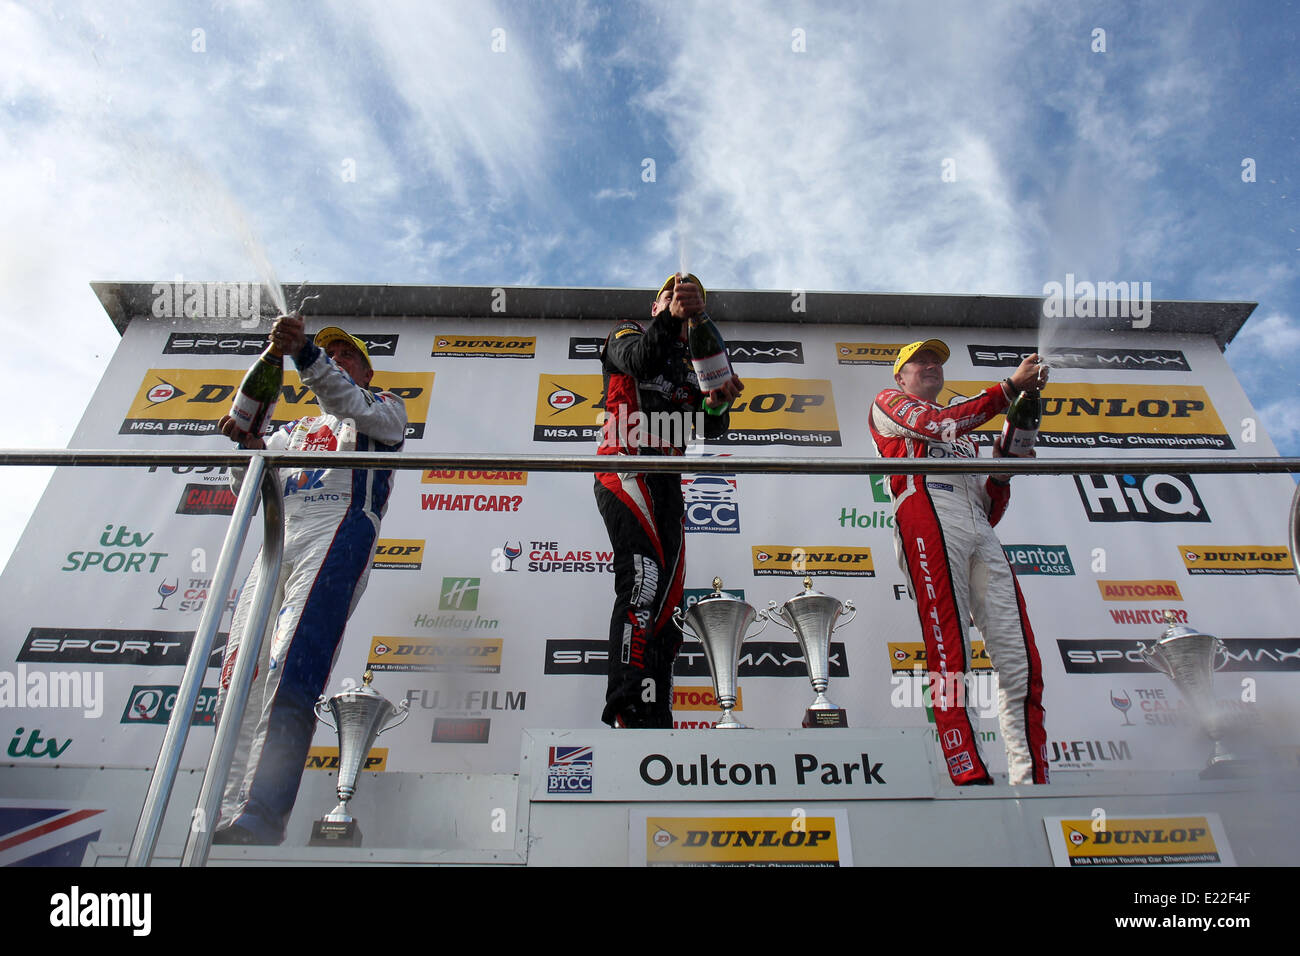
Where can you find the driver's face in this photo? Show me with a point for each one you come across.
(349, 358)
(922, 374)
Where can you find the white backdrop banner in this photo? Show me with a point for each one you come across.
(490, 600)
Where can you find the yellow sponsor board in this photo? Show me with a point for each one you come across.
(790, 840)
(464, 345)
(1139, 841)
(474, 477)
(906, 656)
(1089, 414)
(1139, 591)
(327, 758)
(867, 353)
(1244, 559)
(569, 408)
(406, 554)
(797, 560)
(701, 698)
(784, 411)
(190, 401)
(462, 655)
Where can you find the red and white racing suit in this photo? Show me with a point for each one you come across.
(331, 518)
(944, 528)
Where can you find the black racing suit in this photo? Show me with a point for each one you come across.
(652, 404)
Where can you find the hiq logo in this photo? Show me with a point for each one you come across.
(1156, 498)
(711, 504)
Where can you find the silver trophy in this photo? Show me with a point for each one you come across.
(720, 624)
(1189, 659)
(812, 616)
(359, 717)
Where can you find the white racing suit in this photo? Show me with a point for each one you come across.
(332, 520)
(956, 565)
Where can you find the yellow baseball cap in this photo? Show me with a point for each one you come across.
(689, 277)
(905, 354)
(334, 334)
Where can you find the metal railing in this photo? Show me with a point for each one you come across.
(262, 478)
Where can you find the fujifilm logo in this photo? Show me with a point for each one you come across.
(76, 909)
(1106, 300)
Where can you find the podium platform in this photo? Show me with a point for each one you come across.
(750, 797)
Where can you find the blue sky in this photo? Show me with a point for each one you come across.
(140, 140)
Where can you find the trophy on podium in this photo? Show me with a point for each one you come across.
(812, 616)
(360, 716)
(1189, 658)
(719, 623)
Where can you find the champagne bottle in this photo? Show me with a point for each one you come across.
(1020, 430)
(708, 353)
(259, 392)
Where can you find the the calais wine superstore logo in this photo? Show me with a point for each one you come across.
(189, 401)
(194, 594)
(551, 557)
(1149, 498)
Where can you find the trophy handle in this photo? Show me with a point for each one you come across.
(404, 709)
(774, 613)
(322, 712)
(1220, 654)
(760, 616)
(682, 625)
(853, 612)
(1154, 660)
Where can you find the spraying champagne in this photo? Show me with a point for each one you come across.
(259, 392)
